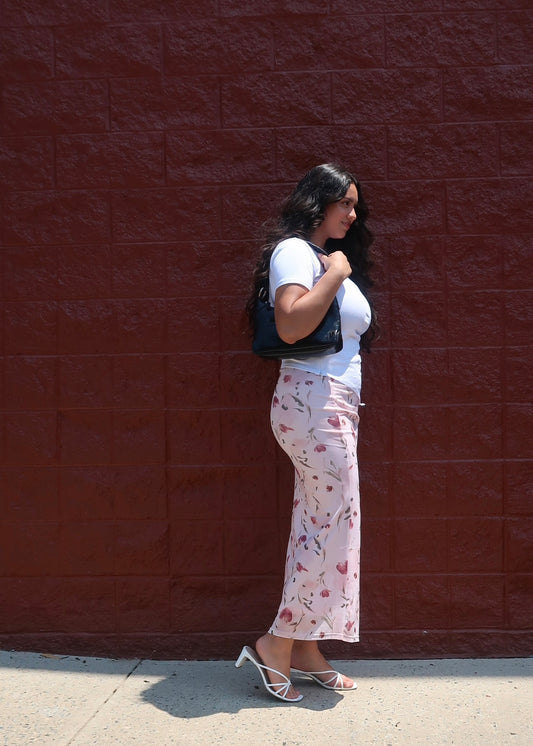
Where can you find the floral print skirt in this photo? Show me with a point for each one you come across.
(315, 420)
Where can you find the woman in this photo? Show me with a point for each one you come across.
(314, 418)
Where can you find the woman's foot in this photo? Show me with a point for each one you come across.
(275, 652)
(306, 656)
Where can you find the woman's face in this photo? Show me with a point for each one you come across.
(338, 219)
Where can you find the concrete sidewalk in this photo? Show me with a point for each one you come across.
(80, 701)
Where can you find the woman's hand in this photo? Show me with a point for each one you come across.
(336, 263)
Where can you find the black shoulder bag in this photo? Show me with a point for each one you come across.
(326, 339)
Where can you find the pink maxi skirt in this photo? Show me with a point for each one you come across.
(315, 419)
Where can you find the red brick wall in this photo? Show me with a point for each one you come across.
(144, 506)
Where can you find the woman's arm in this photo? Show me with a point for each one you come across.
(299, 311)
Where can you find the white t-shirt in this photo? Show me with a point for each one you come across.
(295, 262)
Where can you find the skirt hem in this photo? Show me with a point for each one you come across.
(317, 638)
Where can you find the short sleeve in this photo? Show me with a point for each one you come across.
(293, 262)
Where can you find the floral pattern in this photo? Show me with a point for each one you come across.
(315, 420)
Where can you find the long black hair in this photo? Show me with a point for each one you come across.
(301, 214)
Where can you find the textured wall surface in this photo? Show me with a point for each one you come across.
(144, 504)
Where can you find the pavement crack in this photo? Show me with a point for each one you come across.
(100, 707)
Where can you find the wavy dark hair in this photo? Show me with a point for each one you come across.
(302, 212)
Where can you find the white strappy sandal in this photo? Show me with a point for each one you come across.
(277, 690)
(334, 682)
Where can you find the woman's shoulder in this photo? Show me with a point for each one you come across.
(294, 245)
(292, 241)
